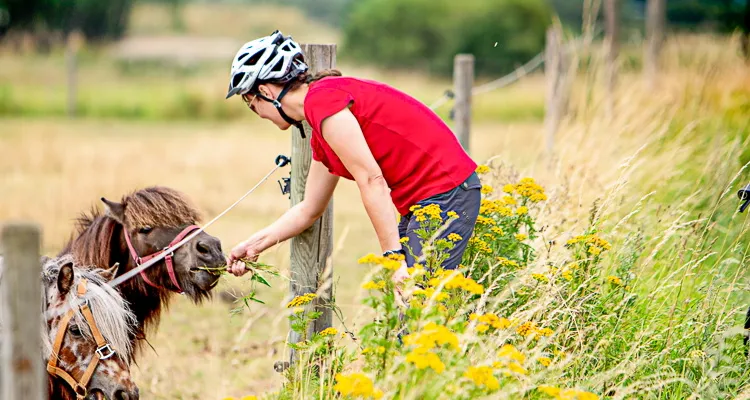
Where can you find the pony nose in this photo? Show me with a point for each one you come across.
(123, 395)
(209, 247)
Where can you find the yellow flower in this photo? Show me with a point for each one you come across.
(454, 237)
(521, 237)
(328, 332)
(429, 292)
(498, 230)
(549, 390)
(540, 277)
(567, 275)
(422, 358)
(482, 169)
(615, 281)
(509, 188)
(301, 300)
(567, 394)
(492, 320)
(510, 351)
(546, 361)
(482, 376)
(431, 211)
(525, 329)
(544, 331)
(404, 239)
(507, 263)
(371, 285)
(481, 328)
(522, 210)
(509, 200)
(505, 211)
(356, 384)
(451, 214)
(485, 221)
(486, 189)
(432, 335)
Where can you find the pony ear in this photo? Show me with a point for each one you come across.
(115, 210)
(65, 279)
(108, 274)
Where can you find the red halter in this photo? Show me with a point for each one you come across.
(168, 259)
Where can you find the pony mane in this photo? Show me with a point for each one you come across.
(113, 318)
(159, 206)
(152, 206)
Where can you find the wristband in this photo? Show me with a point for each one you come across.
(392, 252)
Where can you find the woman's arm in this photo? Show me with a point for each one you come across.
(318, 192)
(343, 133)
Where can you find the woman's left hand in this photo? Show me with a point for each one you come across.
(400, 274)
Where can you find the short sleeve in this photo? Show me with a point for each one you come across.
(321, 103)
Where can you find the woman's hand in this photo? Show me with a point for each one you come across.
(401, 274)
(247, 250)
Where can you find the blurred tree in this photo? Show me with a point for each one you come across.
(428, 33)
(95, 18)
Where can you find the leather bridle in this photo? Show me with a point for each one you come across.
(103, 349)
(168, 259)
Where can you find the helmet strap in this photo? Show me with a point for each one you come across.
(277, 103)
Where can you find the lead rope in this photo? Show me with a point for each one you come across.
(281, 161)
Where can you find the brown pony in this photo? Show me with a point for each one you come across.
(151, 218)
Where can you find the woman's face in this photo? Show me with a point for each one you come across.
(266, 109)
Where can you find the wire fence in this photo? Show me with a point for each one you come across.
(530, 66)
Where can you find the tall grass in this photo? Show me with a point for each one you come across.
(627, 279)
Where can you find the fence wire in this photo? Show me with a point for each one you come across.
(530, 66)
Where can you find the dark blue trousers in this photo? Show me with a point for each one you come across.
(465, 200)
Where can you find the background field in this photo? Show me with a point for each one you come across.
(142, 123)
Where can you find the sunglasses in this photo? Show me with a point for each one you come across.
(250, 101)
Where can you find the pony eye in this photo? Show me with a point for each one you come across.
(75, 330)
(145, 230)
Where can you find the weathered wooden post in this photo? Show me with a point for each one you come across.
(612, 19)
(656, 16)
(463, 81)
(555, 71)
(23, 374)
(311, 268)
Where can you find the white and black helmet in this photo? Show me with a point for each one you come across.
(271, 59)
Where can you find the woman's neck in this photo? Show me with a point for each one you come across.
(294, 103)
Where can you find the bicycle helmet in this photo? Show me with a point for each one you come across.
(271, 59)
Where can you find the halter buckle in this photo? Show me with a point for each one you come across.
(80, 390)
(100, 352)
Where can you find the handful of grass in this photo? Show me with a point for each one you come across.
(256, 269)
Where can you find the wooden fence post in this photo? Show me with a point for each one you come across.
(311, 268)
(463, 82)
(556, 71)
(612, 17)
(23, 374)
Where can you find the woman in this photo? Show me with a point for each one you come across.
(397, 150)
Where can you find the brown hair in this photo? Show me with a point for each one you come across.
(309, 78)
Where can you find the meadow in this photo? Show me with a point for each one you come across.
(639, 211)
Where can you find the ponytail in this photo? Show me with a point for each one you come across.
(307, 78)
(320, 75)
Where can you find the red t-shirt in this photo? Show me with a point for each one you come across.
(417, 152)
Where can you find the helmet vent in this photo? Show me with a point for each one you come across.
(242, 56)
(237, 79)
(279, 65)
(254, 59)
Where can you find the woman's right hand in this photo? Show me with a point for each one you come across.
(245, 250)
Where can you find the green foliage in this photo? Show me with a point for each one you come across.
(426, 34)
(96, 19)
